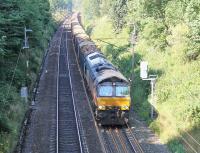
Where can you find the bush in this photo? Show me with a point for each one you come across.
(4, 124)
(176, 146)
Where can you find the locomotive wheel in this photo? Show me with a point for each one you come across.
(96, 115)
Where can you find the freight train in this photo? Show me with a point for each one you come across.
(110, 90)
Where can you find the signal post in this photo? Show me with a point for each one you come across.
(152, 78)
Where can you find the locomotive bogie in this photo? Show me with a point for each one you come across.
(112, 117)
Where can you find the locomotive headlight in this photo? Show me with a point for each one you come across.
(101, 107)
(124, 107)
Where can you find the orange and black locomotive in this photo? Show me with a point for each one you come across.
(110, 89)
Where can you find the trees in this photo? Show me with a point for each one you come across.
(14, 16)
(118, 13)
(192, 19)
(60, 4)
(91, 8)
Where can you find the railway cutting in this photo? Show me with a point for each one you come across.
(58, 122)
(63, 117)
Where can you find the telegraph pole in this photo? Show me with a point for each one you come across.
(24, 89)
(133, 42)
(153, 82)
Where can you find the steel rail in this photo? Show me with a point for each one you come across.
(192, 138)
(72, 96)
(121, 140)
(57, 92)
(135, 142)
(106, 143)
(74, 105)
(84, 142)
(113, 139)
(187, 143)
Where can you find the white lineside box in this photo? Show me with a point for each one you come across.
(144, 69)
(24, 93)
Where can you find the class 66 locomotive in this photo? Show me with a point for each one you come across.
(110, 90)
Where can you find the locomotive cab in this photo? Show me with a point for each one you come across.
(113, 103)
(111, 94)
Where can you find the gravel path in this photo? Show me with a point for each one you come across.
(149, 142)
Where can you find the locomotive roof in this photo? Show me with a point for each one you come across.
(102, 69)
(109, 74)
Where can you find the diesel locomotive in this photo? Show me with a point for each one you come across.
(110, 90)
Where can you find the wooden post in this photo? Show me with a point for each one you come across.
(133, 42)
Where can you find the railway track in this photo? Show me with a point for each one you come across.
(70, 135)
(191, 144)
(132, 139)
(120, 140)
(68, 123)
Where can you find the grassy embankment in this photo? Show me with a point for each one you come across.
(178, 84)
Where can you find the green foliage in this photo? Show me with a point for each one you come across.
(155, 127)
(60, 5)
(153, 33)
(176, 146)
(105, 7)
(14, 16)
(91, 9)
(4, 125)
(192, 18)
(154, 8)
(11, 114)
(168, 38)
(174, 12)
(118, 13)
